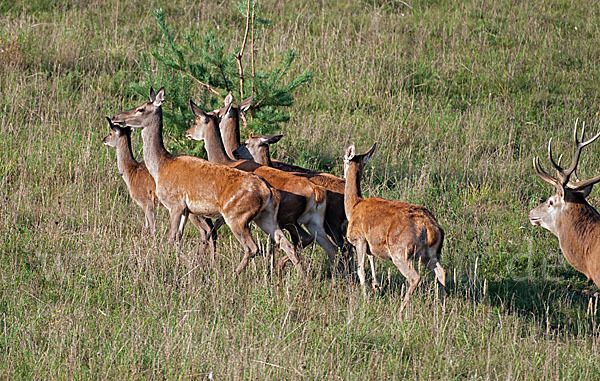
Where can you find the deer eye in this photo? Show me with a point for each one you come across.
(550, 203)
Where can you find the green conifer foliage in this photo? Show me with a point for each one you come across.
(198, 67)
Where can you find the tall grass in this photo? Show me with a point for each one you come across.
(460, 95)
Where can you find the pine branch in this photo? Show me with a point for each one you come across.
(252, 46)
(238, 56)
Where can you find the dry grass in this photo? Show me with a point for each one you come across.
(460, 97)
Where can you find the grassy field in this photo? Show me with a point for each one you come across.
(460, 96)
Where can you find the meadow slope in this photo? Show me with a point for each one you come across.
(460, 96)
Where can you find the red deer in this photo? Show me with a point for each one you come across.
(227, 114)
(335, 218)
(302, 202)
(187, 184)
(392, 230)
(567, 214)
(141, 186)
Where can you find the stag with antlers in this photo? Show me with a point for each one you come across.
(568, 215)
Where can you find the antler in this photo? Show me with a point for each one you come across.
(543, 174)
(564, 174)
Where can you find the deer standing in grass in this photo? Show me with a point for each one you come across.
(136, 176)
(302, 202)
(141, 186)
(393, 230)
(335, 218)
(568, 215)
(187, 184)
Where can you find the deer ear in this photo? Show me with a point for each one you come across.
(350, 152)
(270, 139)
(246, 103)
(587, 190)
(227, 109)
(368, 154)
(111, 124)
(197, 111)
(160, 97)
(152, 94)
(228, 100)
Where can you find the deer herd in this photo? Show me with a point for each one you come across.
(240, 184)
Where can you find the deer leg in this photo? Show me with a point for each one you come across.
(207, 230)
(242, 233)
(338, 233)
(440, 276)
(300, 239)
(267, 222)
(407, 269)
(177, 221)
(149, 220)
(319, 233)
(374, 282)
(361, 252)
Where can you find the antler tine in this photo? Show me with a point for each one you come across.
(582, 184)
(543, 174)
(558, 168)
(589, 141)
(578, 147)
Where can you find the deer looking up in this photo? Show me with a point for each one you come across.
(302, 202)
(141, 186)
(568, 215)
(391, 230)
(187, 184)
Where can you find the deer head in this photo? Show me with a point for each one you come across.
(361, 160)
(201, 123)
(116, 132)
(561, 209)
(137, 116)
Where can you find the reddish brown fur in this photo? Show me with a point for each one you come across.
(186, 184)
(141, 185)
(568, 215)
(392, 230)
(302, 202)
(335, 218)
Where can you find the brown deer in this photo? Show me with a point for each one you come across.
(228, 114)
(141, 186)
(393, 230)
(567, 214)
(187, 184)
(136, 176)
(335, 218)
(302, 202)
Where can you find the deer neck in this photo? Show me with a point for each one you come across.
(352, 192)
(125, 159)
(577, 229)
(230, 133)
(214, 145)
(263, 156)
(155, 153)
